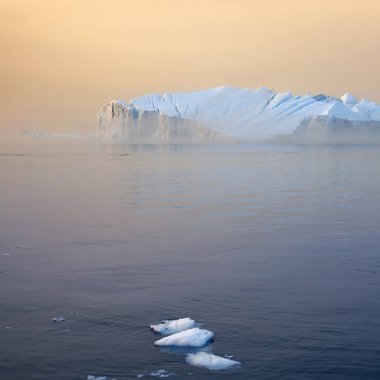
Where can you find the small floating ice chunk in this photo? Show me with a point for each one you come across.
(59, 319)
(189, 338)
(168, 327)
(210, 361)
(6, 254)
(161, 373)
(91, 377)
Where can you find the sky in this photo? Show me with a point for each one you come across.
(61, 60)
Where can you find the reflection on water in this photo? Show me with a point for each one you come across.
(274, 248)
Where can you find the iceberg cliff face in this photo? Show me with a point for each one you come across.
(225, 114)
(120, 123)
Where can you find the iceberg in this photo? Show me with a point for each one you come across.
(194, 337)
(168, 327)
(210, 361)
(227, 114)
(58, 136)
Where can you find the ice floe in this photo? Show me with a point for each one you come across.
(194, 337)
(193, 342)
(161, 373)
(210, 361)
(168, 327)
(91, 377)
(59, 319)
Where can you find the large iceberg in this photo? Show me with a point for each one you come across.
(232, 114)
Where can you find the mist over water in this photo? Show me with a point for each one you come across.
(273, 248)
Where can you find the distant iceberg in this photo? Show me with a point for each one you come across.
(58, 136)
(231, 114)
(168, 327)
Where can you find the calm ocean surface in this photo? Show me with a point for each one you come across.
(274, 248)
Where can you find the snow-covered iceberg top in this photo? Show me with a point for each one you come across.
(210, 361)
(168, 327)
(189, 338)
(239, 114)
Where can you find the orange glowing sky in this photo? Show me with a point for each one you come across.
(61, 60)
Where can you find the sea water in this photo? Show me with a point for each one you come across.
(276, 249)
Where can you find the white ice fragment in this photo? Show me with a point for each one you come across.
(210, 361)
(91, 377)
(59, 319)
(6, 254)
(189, 338)
(168, 327)
(161, 373)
